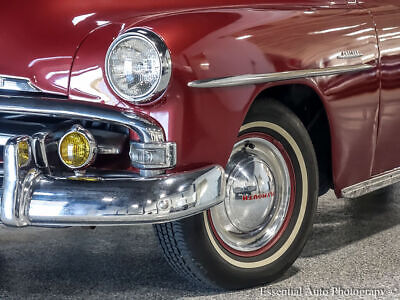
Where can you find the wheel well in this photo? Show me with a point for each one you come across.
(307, 105)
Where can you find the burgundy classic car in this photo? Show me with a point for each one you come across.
(218, 121)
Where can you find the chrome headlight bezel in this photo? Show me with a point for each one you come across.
(159, 45)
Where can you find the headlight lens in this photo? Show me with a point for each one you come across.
(138, 66)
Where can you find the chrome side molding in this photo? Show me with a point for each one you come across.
(373, 184)
(15, 83)
(273, 77)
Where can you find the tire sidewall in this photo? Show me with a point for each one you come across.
(231, 271)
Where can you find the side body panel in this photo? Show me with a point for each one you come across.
(39, 39)
(227, 42)
(387, 19)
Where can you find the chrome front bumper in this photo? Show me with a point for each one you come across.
(30, 197)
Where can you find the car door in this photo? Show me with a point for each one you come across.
(386, 14)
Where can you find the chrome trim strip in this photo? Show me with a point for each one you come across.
(39, 150)
(32, 198)
(16, 83)
(109, 149)
(11, 128)
(373, 184)
(148, 132)
(273, 77)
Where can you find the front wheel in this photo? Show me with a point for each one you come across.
(261, 227)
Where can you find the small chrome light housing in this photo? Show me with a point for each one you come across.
(150, 156)
(138, 66)
(77, 148)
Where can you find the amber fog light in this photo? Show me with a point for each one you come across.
(77, 148)
(24, 153)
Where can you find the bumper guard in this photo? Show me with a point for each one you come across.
(31, 197)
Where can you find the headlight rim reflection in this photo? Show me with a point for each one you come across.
(164, 56)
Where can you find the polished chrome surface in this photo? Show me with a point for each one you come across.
(106, 149)
(257, 198)
(32, 198)
(147, 131)
(4, 137)
(15, 83)
(373, 184)
(165, 60)
(272, 77)
(39, 150)
(11, 128)
(92, 146)
(124, 201)
(13, 204)
(108, 142)
(149, 151)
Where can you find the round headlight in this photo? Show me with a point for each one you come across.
(138, 66)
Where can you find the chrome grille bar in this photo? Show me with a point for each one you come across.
(148, 132)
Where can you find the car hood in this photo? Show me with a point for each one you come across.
(39, 39)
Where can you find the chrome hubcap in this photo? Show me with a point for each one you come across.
(258, 196)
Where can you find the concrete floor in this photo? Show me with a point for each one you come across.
(355, 245)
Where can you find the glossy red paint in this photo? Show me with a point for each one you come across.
(42, 36)
(67, 43)
(387, 19)
(225, 42)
